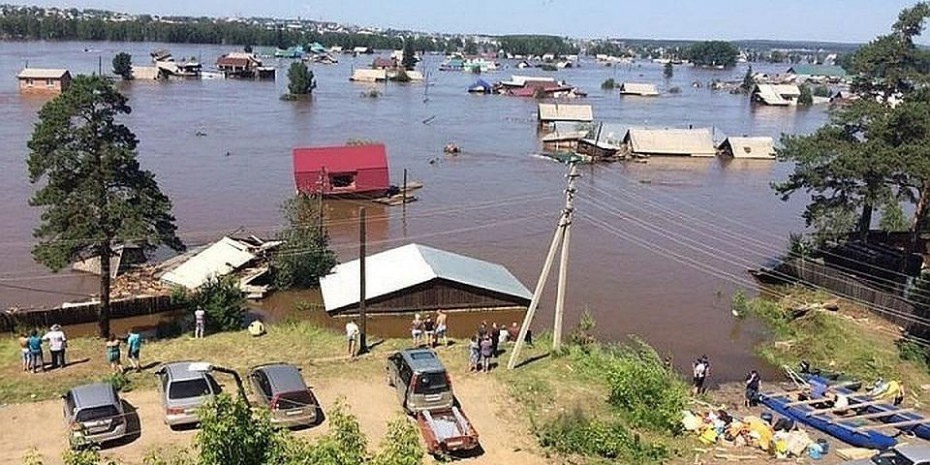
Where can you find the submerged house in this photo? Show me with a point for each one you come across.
(748, 147)
(642, 90)
(816, 73)
(368, 75)
(551, 113)
(246, 257)
(43, 81)
(670, 142)
(779, 95)
(383, 63)
(349, 171)
(417, 278)
(240, 64)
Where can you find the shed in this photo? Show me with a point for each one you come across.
(383, 63)
(642, 90)
(417, 278)
(748, 147)
(352, 170)
(780, 95)
(369, 75)
(554, 112)
(670, 142)
(817, 71)
(43, 81)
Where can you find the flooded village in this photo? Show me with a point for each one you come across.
(438, 182)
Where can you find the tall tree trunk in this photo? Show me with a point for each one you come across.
(865, 222)
(103, 313)
(920, 218)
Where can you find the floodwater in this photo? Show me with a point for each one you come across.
(657, 248)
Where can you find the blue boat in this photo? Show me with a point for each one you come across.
(846, 430)
(910, 421)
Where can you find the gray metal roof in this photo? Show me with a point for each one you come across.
(180, 371)
(283, 377)
(410, 265)
(94, 395)
(918, 453)
(423, 360)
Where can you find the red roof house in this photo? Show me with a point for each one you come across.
(353, 170)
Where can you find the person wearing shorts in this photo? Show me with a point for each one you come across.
(429, 330)
(416, 329)
(441, 328)
(24, 350)
(353, 334)
(35, 352)
(113, 354)
(134, 342)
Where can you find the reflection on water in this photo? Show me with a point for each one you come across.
(494, 201)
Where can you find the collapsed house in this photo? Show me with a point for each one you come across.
(125, 256)
(551, 113)
(247, 258)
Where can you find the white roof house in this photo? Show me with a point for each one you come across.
(749, 147)
(396, 270)
(552, 112)
(671, 142)
(642, 90)
(368, 75)
(219, 259)
(780, 95)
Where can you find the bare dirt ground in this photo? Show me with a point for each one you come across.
(504, 437)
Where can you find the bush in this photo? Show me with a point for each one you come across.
(609, 84)
(120, 381)
(306, 256)
(230, 432)
(222, 301)
(400, 446)
(301, 81)
(401, 76)
(343, 445)
(576, 433)
(582, 334)
(122, 66)
(822, 91)
(807, 98)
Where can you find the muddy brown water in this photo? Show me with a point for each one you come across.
(657, 248)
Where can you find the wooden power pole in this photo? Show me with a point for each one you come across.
(362, 342)
(559, 240)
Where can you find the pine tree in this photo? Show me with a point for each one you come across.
(409, 62)
(122, 66)
(301, 79)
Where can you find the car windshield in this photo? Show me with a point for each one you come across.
(431, 383)
(188, 388)
(97, 413)
(297, 399)
(891, 458)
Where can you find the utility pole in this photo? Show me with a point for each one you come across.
(403, 190)
(559, 240)
(319, 205)
(363, 343)
(99, 65)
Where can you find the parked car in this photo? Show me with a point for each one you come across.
(94, 414)
(184, 390)
(280, 388)
(420, 379)
(908, 454)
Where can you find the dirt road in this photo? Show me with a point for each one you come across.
(504, 437)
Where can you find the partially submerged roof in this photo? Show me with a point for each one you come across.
(777, 94)
(549, 112)
(404, 267)
(369, 75)
(342, 158)
(686, 142)
(632, 88)
(750, 147)
(219, 259)
(817, 70)
(520, 81)
(42, 73)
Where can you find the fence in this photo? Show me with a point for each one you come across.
(86, 313)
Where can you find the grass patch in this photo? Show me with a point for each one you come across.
(850, 340)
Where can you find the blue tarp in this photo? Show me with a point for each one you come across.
(482, 84)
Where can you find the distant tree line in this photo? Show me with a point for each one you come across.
(712, 53)
(31, 24)
(536, 45)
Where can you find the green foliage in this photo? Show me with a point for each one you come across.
(400, 446)
(471, 48)
(536, 45)
(668, 71)
(33, 457)
(300, 79)
(222, 301)
(306, 256)
(822, 91)
(609, 84)
(748, 82)
(401, 76)
(583, 335)
(119, 381)
(893, 218)
(798, 246)
(575, 432)
(93, 193)
(712, 53)
(739, 304)
(85, 456)
(122, 66)
(174, 456)
(345, 444)
(409, 60)
(806, 98)
(230, 432)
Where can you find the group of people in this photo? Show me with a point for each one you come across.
(428, 332)
(33, 357)
(32, 353)
(484, 346)
(700, 370)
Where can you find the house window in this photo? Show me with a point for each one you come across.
(30, 82)
(49, 83)
(342, 180)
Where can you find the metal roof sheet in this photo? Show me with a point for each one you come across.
(817, 70)
(42, 73)
(751, 147)
(632, 88)
(219, 259)
(692, 142)
(401, 268)
(561, 112)
(341, 158)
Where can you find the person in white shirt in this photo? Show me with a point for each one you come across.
(352, 336)
(57, 342)
(200, 322)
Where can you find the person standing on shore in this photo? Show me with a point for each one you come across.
(429, 331)
(134, 342)
(416, 329)
(474, 354)
(56, 345)
(700, 370)
(441, 328)
(200, 322)
(35, 351)
(752, 388)
(24, 351)
(352, 337)
(113, 353)
(487, 352)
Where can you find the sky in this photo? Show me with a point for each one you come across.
(820, 20)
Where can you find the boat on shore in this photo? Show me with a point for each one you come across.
(812, 413)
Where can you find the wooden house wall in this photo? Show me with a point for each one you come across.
(438, 294)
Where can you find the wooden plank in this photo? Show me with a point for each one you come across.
(899, 424)
(848, 407)
(879, 414)
(807, 402)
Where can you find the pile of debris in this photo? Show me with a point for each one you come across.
(781, 439)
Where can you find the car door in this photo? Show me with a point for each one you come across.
(405, 373)
(255, 380)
